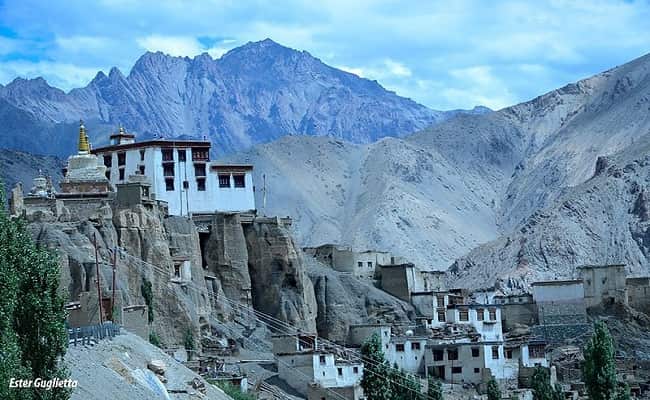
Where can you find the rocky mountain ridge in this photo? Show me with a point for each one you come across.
(253, 94)
(604, 220)
(435, 195)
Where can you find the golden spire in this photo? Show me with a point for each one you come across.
(84, 146)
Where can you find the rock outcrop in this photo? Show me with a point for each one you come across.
(344, 300)
(280, 285)
(602, 221)
(255, 264)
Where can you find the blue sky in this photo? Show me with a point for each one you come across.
(446, 55)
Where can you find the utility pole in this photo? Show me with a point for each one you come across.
(113, 295)
(99, 289)
(263, 194)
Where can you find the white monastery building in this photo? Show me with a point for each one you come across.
(181, 174)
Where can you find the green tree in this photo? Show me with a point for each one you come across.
(624, 393)
(147, 294)
(33, 338)
(493, 391)
(404, 386)
(375, 370)
(599, 368)
(541, 384)
(396, 380)
(189, 343)
(434, 389)
(411, 387)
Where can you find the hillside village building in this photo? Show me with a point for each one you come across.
(180, 173)
(314, 372)
(603, 284)
(362, 264)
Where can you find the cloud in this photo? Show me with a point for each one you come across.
(442, 54)
(172, 45)
(397, 69)
(61, 75)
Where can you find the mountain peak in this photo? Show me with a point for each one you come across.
(34, 86)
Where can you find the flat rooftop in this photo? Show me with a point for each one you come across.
(600, 266)
(161, 142)
(558, 283)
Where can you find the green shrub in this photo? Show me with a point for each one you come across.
(233, 391)
(155, 340)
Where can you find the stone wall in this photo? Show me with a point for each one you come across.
(134, 319)
(562, 312)
(638, 293)
(423, 303)
(563, 333)
(395, 280)
(512, 314)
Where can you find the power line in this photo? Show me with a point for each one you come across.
(293, 330)
(281, 326)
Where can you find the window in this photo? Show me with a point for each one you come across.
(121, 174)
(452, 354)
(142, 155)
(479, 314)
(509, 354)
(340, 371)
(141, 169)
(536, 351)
(108, 174)
(199, 155)
(456, 370)
(177, 271)
(441, 316)
(121, 158)
(355, 370)
(477, 370)
(415, 346)
(438, 355)
(199, 169)
(321, 359)
(399, 347)
(169, 184)
(495, 352)
(493, 314)
(475, 352)
(224, 181)
(167, 155)
(181, 155)
(168, 169)
(360, 264)
(200, 184)
(440, 300)
(369, 264)
(240, 181)
(463, 314)
(108, 160)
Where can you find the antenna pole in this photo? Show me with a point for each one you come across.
(264, 194)
(99, 289)
(113, 295)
